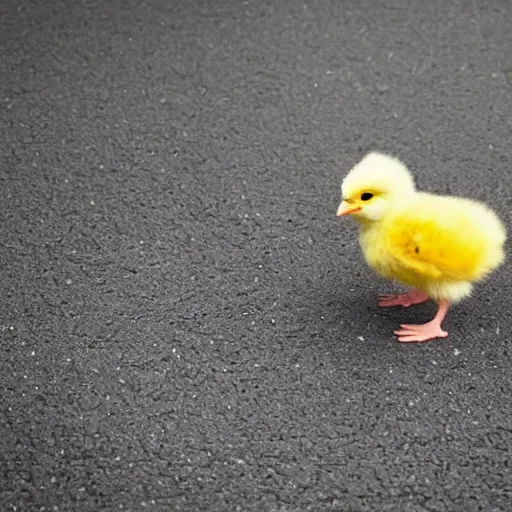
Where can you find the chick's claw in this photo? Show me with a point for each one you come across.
(411, 333)
(403, 299)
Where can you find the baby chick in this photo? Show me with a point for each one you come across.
(436, 245)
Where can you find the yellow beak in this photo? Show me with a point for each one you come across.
(346, 209)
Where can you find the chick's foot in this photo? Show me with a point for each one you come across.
(410, 333)
(403, 299)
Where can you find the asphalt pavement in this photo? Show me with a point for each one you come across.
(184, 323)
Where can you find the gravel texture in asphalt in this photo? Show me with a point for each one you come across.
(185, 325)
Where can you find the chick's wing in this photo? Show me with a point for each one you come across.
(437, 240)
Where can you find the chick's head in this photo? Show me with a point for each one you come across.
(378, 185)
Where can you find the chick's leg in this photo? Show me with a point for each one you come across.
(403, 299)
(410, 333)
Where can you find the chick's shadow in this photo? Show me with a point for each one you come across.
(345, 315)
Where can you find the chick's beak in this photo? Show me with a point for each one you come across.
(346, 209)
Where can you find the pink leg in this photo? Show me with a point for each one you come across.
(403, 299)
(410, 333)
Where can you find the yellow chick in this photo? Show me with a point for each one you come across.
(436, 245)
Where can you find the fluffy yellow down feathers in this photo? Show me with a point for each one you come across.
(437, 245)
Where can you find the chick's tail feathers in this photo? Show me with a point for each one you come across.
(496, 237)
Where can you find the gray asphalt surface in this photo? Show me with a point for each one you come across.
(185, 324)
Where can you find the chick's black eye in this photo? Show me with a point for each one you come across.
(366, 196)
